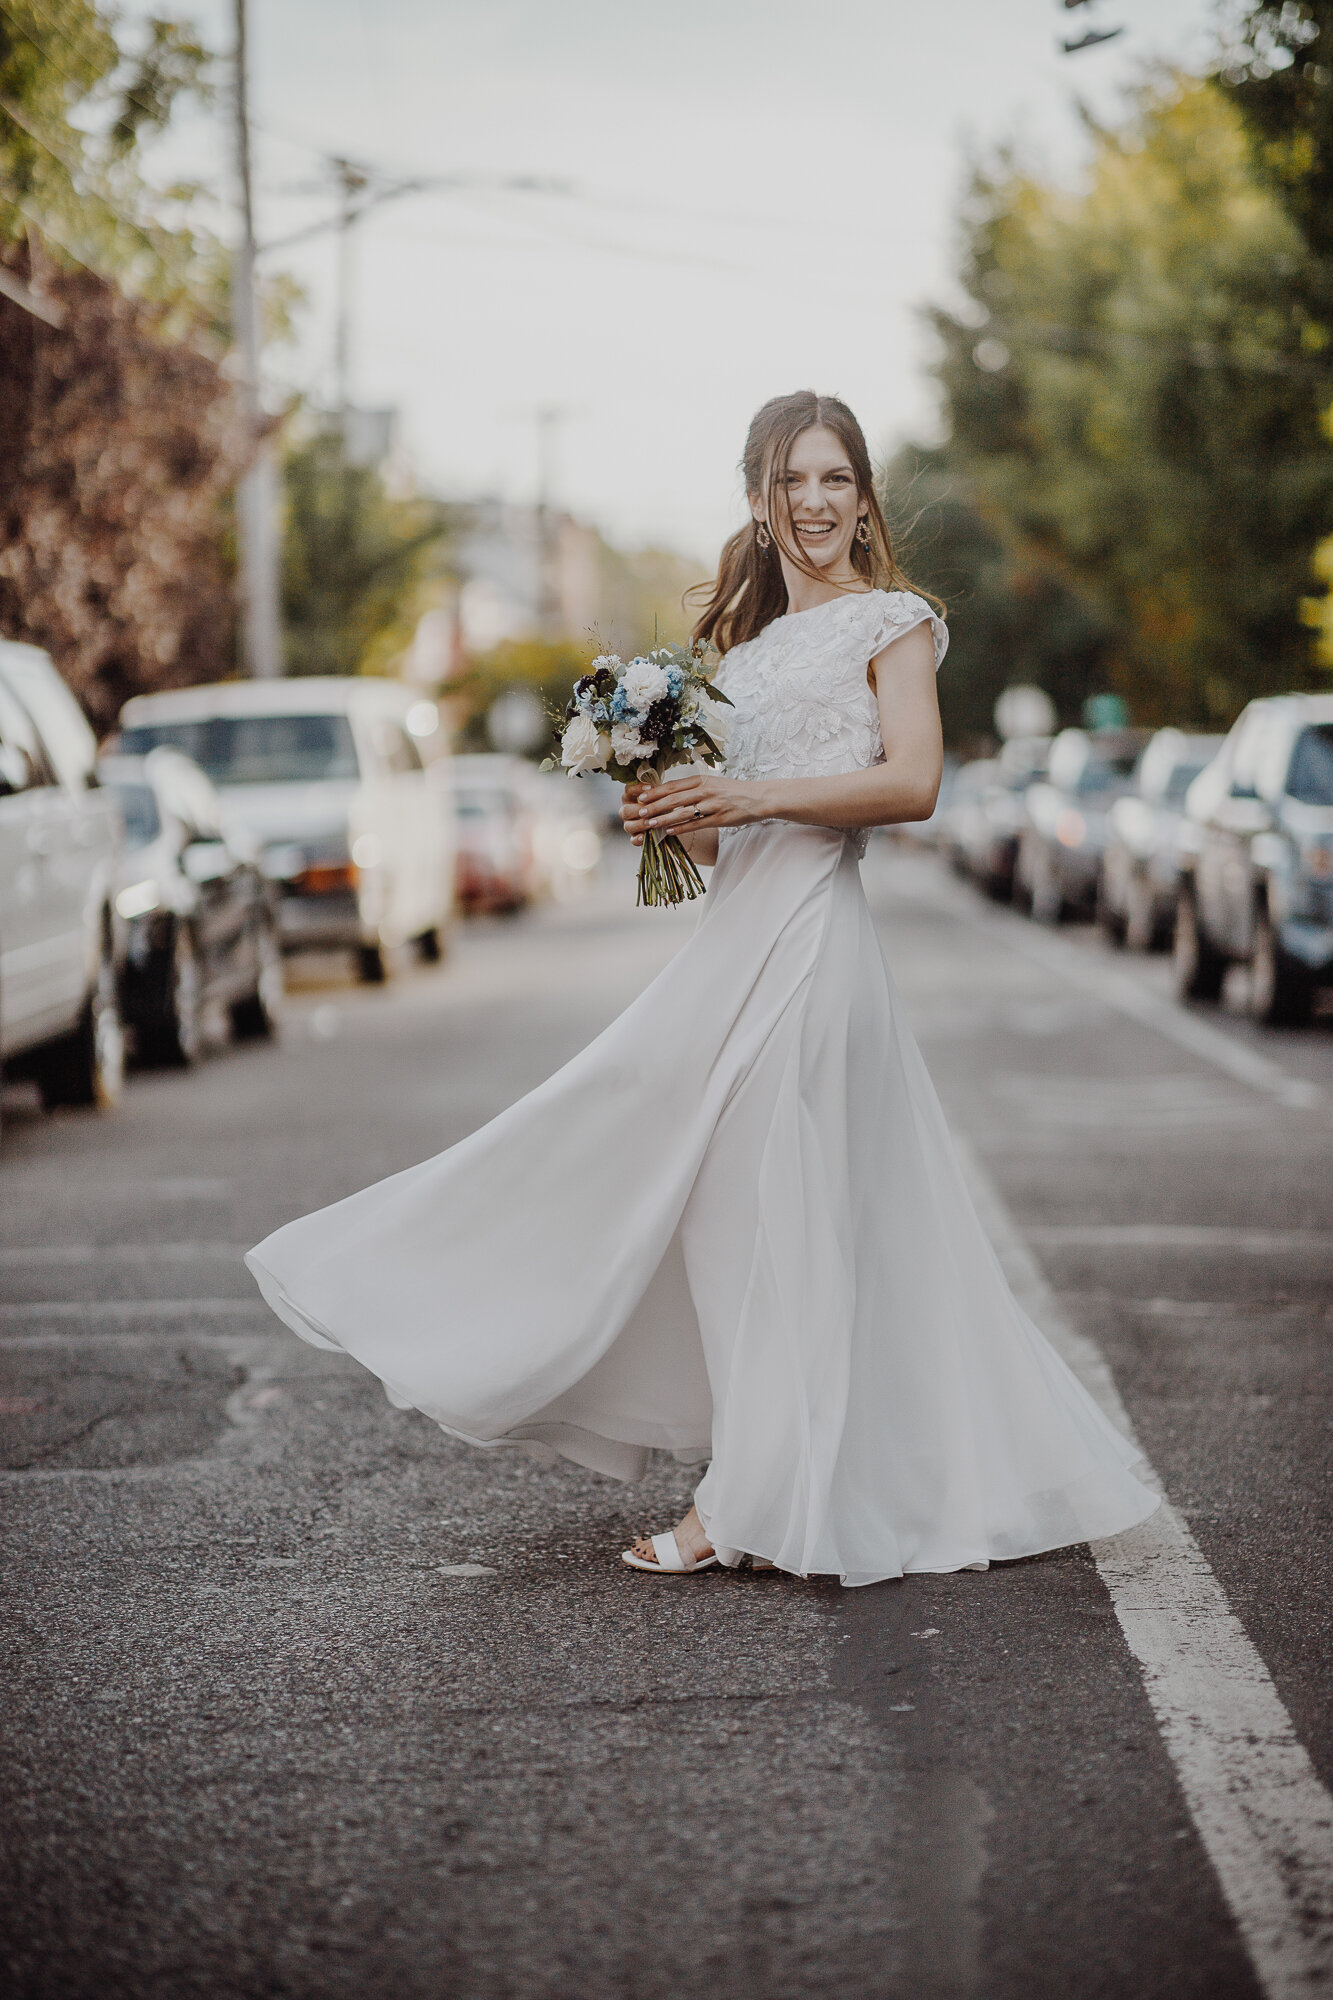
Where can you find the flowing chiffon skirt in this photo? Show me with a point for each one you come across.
(732, 1228)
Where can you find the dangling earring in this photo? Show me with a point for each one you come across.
(863, 532)
(761, 535)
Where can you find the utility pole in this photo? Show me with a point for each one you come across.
(257, 493)
(548, 418)
(353, 182)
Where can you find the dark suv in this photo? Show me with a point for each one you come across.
(1257, 861)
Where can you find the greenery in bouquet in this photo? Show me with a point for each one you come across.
(637, 720)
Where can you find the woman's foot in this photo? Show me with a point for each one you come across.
(691, 1540)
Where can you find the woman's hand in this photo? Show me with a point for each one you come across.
(690, 804)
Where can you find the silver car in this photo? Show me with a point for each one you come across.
(59, 935)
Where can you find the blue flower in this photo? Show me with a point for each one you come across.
(675, 681)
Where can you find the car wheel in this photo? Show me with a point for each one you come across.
(255, 1018)
(176, 1038)
(370, 966)
(1281, 990)
(88, 1065)
(1199, 969)
(430, 946)
(1048, 903)
(1140, 916)
(1110, 922)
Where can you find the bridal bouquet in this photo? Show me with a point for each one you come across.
(638, 720)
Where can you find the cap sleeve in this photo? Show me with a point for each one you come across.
(896, 612)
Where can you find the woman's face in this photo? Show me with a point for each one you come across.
(819, 509)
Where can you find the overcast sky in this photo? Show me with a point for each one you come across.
(765, 194)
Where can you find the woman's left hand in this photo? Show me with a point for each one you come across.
(698, 800)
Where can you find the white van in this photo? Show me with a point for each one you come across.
(328, 777)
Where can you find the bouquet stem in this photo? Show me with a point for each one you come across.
(666, 872)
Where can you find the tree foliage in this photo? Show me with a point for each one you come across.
(75, 106)
(1012, 616)
(117, 449)
(1278, 72)
(1134, 393)
(120, 438)
(548, 668)
(356, 559)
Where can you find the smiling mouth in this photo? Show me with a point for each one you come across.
(814, 530)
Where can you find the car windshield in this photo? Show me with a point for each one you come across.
(484, 805)
(1310, 779)
(256, 749)
(138, 809)
(1182, 777)
(1103, 774)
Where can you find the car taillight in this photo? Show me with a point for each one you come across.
(325, 877)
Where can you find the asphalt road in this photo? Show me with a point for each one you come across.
(302, 1699)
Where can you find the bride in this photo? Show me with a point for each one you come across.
(734, 1228)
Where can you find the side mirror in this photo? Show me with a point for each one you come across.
(206, 861)
(14, 772)
(1242, 814)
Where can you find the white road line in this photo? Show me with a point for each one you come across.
(227, 1343)
(119, 1253)
(1175, 1236)
(133, 1309)
(1264, 1818)
(1123, 992)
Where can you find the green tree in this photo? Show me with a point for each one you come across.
(1134, 395)
(356, 560)
(120, 439)
(77, 180)
(1012, 616)
(548, 668)
(1278, 72)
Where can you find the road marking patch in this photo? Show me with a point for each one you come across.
(17, 1254)
(1264, 1817)
(1132, 1103)
(1174, 1236)
(1123, 992)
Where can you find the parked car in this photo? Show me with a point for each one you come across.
(59, 847)
(984, 818)
(201, 918)
(327, 776)
(566, 835)
(1136, 903)
(1064, 836)
(1257, 861)
(496, 861)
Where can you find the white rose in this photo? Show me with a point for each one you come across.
(645, 682)
(627, 746)
(583, 747)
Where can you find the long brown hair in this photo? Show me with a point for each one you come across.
(748, 591)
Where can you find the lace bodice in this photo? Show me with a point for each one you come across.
(802, 706)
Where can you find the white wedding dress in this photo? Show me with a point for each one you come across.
(734, 1228)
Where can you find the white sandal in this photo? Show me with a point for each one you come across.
(670, 1561)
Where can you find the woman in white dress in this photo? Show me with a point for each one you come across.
(734, 1228)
